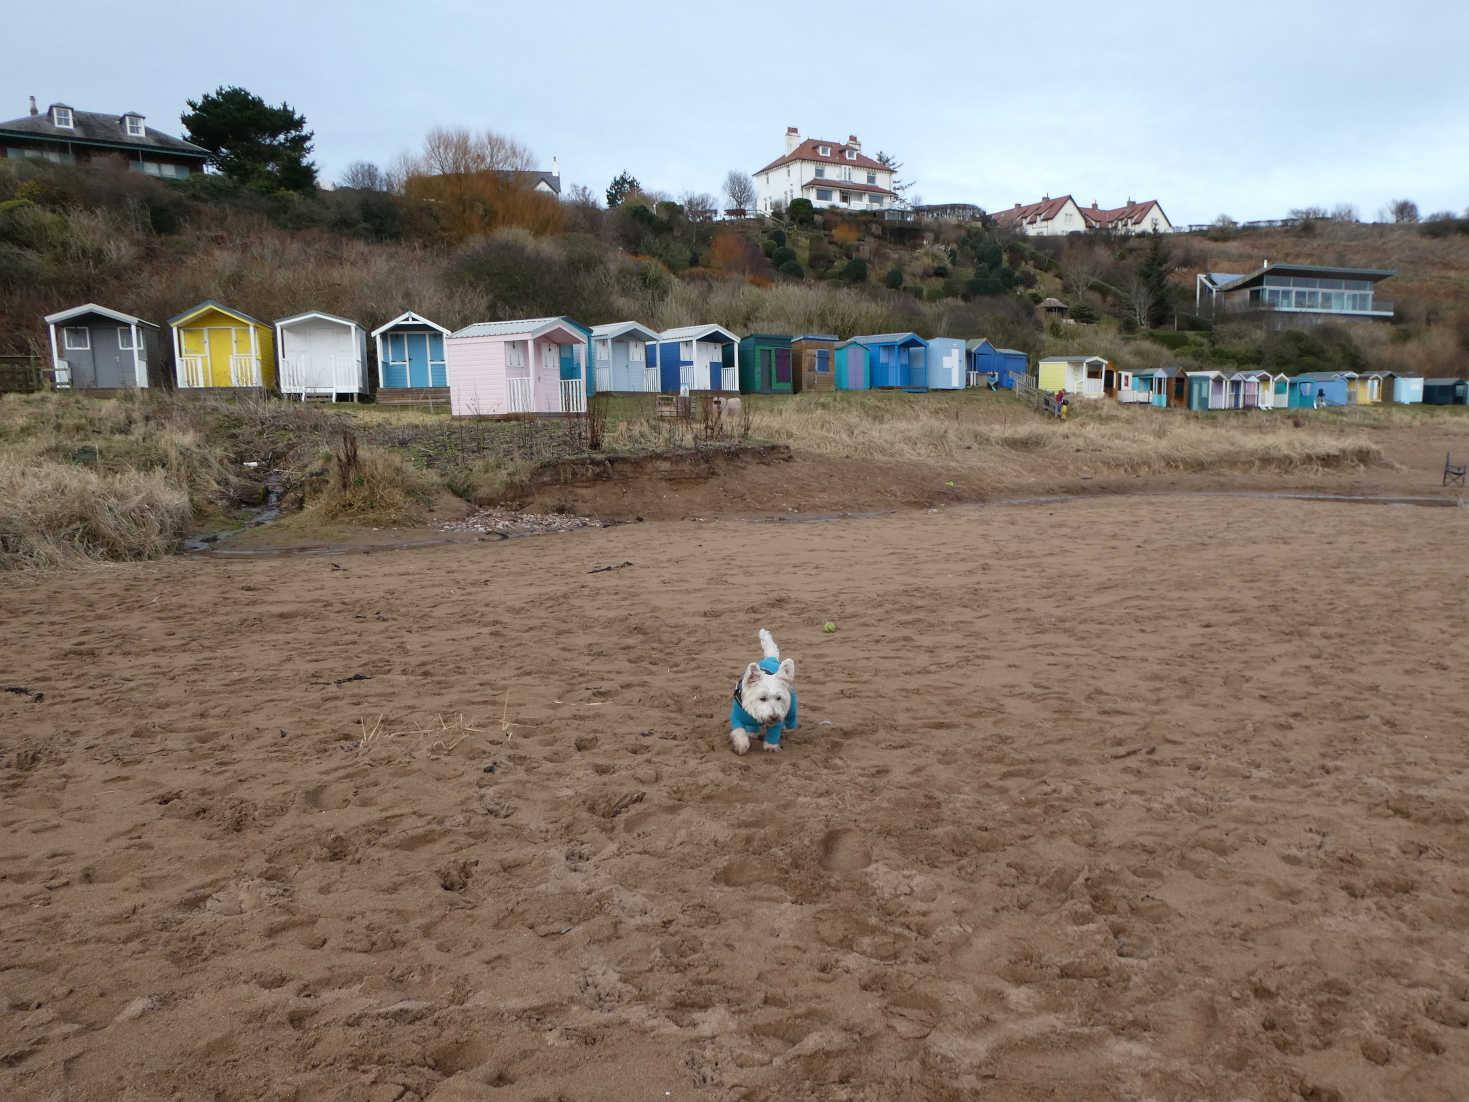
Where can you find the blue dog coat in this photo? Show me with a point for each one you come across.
(738, 717)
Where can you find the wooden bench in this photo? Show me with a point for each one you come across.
(1451, 471)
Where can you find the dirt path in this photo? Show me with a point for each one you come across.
(1104, 799)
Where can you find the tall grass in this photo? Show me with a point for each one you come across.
(1001, 435)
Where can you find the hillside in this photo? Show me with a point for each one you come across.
(154, 248)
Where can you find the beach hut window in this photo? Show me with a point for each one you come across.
(125, 338)
(635, 352)
(515, 354)
(823, 360)
(604, 350)
(76, 338)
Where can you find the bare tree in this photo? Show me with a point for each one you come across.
(739, 189)
(1082, 263)
(581, 196)
(1308, 214)
(449, 151)
(698, 206)
(364, 175)
(1403, 210)
(1344, 212)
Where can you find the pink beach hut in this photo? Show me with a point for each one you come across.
(535, 365)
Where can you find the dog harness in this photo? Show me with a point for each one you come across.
(738, 717)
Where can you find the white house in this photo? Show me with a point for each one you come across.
(830, 174)
(1063, 215)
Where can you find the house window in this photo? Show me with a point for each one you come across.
(821, 172)
(823, 194)
(604, 350)
(824, 150)
(875, 199)
(135, 126)
(61, 116)
(125, 338)
(515, 354)
(872, 178)
(76, 338)
(851, 155)
(846, 197)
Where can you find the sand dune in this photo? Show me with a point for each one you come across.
(1103, 799)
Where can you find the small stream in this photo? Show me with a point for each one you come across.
(265, 513)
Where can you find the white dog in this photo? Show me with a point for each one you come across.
(764, 699)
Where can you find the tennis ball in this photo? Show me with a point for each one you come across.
(830, 627)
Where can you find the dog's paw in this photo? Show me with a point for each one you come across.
(773, 747)
(740, 740)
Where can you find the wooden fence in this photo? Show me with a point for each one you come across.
(21, 375)
(1042, 400)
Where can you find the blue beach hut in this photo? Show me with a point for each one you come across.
(698, 357)
(896, 360)
(1313, 389)
(946, 363)
(410, 354)
(1007, 364)
(620, 360)
(851, 366)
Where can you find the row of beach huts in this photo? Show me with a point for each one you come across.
(552, 365)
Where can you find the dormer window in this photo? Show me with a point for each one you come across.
(134, 126)
(824, 150)
(61, 117)
(851, 154)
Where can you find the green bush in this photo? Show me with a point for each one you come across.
(778, 235)
(1169, 339)
(793, 269)
(801, 211)
(782, 256)
(855, 271)
(894, 278)
(1085, 313)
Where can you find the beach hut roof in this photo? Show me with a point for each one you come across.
(93, 308)
(814, 337)
(316, 314)
(532, 327)
(697, 333)
(408, 317)
(1321, 376)
(889, 338)
(211, 304)
(614, 329)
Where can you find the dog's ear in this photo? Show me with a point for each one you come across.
(753, 674)
(787, 671)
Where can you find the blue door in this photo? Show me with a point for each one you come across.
(568, 363)
(438, 374)
(418, 359)
(395, 371)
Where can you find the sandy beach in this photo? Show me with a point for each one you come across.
(1114, 798)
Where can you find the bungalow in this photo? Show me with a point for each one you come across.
(322, 355)
(534, 365)
(1404, 389)
(1006, 364)
(94, 348)
(1078, 376)
(217, 346)
(410, 358)
(698, 357)
(620, 356)
(811, 362)
(1208, 390)
(945, 363)
(1315, 389)
(765, 364)
(1364, 390)
(1445, 392)
(63, 135)
(851, 366)
(896, 360)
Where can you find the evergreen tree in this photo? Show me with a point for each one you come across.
(621, 187)
(250, 142)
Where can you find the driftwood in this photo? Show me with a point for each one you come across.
(614, 566)
(344, 680)
(35, 694)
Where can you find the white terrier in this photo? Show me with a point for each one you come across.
(764, 699)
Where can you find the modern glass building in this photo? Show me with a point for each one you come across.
(1295, 288)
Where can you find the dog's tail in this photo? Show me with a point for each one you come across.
(767, 645)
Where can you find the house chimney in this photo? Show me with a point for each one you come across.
(1094, 204)
(556, 167)
(853, 143)
(793, 139)
(34, 109)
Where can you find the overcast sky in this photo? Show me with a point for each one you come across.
(1248, 109)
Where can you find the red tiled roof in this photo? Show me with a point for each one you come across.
(1028, 213)
(1131, 214)
(806, 151)
(845, 185)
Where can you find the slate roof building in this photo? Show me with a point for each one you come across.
(63, 135)
(1063, 215)
(1306, 292)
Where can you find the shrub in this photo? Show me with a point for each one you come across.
(778, 235)
(1169, 339)
(367, 484)
(855, 271)
(801, 212)
(1085, 313)
(894, 278)
(782, 256)
(793, 269)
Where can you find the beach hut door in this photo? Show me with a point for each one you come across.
(782, 367)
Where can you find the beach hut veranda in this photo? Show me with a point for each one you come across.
(410, 358)
(532, 365)
(321, 356)
(94, 348)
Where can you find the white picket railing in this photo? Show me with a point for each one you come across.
(729, 379)
(603, 378)
(650, 380)
(573, 396)
(686, 377)
(196, 371)
(519, 395)
(1129, 396)
(1091, 388)
(244, 371)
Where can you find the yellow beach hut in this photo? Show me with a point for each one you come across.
(1364, 390)
(216, 346)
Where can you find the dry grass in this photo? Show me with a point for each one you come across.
(998, 434)
(367, 485)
